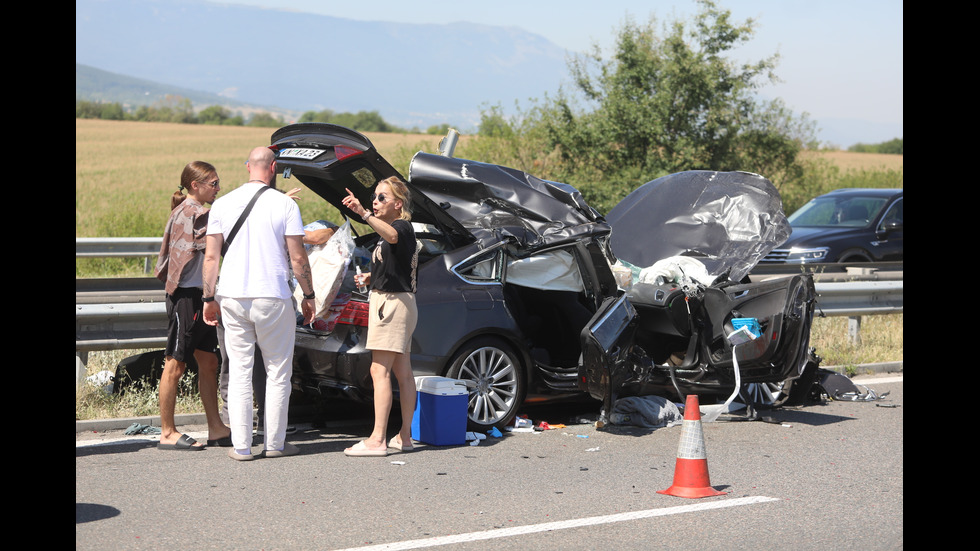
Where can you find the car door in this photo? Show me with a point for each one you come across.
(890, 233)
(606, 350)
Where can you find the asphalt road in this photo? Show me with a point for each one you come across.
(815, 477)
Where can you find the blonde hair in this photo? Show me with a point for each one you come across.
(195, 171)
(401, 193)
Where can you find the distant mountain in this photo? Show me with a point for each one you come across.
(413, 75)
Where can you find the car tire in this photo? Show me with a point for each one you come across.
(495, 380)
(854, 255)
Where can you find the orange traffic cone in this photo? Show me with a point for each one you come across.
(691, 469)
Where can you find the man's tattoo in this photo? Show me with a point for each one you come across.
(305, 275)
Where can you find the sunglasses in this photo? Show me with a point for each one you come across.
(379, 197)
(213, 184)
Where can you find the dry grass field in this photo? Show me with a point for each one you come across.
(125, 171)
(847, 160)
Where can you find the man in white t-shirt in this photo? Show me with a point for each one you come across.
(253, 299)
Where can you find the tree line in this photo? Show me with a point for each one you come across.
(180, 110)
(893, 147)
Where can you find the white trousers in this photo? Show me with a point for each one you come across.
(270, 324)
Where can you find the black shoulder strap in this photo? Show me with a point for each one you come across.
(241, 220)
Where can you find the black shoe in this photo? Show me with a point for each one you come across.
(290, 429)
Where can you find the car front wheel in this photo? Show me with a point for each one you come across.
(494, 378)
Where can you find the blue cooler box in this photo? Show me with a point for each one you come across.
(440, 411)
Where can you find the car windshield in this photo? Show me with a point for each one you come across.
(847, 211)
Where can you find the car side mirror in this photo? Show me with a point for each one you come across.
(889, 227)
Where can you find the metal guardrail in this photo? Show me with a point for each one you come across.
(120, 326)
(127, 247)
(142, 322)
(860, 298)
(125, 313)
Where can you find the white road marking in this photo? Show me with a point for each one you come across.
(561, 525)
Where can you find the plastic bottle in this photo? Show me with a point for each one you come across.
(361, 288)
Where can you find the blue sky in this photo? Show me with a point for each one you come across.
(838, 59)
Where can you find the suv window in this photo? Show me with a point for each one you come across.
(896, 213)
(836, 211)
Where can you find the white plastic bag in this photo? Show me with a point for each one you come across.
(328, 265)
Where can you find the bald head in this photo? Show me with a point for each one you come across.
(261, 156)
(260, 165)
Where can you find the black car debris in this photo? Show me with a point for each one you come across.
(524, 289)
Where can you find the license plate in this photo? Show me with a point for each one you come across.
(300, 153)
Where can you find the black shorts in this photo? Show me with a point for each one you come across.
(186, 331)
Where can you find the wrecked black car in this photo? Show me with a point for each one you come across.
(524, 289)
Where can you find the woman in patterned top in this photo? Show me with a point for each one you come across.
(180, 267)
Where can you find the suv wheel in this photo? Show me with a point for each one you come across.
(854, 255)
(494, 378)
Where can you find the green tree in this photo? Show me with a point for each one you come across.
(174, 108)
(363, 121)
(214, 114)
(438, 129)
(895, 147)
(668, 100)
(493, 123)
(98, 110)
(316, 116)
(265, 120)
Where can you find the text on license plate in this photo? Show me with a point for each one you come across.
(300, 153)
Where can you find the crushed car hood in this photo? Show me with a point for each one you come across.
(730, 220)
(499, 202)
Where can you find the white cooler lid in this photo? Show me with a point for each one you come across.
(440, 385)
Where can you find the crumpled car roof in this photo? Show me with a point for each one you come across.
(493, 202)
(729, 220)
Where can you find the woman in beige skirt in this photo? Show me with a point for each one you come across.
(393, 314)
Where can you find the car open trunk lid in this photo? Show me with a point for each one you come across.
(730, 220)
(331, 159)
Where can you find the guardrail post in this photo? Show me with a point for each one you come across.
(854, 330)
(80, 370)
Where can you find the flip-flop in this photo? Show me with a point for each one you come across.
(287, 450)
(240, 457)
(360, 450)
(184, 443)
(399, 445)
(221, 442)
